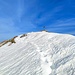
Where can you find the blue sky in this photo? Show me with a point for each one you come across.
(22, 16)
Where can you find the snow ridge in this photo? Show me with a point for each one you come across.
(39, 53)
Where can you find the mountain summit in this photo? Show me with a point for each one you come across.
(38, 53)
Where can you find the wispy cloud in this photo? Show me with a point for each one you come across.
(63, 26)
(7, 25)
(21, 16)
(67, 22)
(7, 28)
(43, 16)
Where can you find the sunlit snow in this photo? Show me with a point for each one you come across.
(39, 53)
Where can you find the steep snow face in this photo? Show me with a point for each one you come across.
(39, 53)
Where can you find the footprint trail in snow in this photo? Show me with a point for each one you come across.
(45, 60)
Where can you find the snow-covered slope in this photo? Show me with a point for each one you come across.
(39, 53)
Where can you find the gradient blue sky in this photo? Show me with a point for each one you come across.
(22, 16)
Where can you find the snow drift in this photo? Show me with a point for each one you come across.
(38, 53)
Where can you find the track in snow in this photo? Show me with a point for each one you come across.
(45, 62)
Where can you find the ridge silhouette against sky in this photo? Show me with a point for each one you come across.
(22, 16)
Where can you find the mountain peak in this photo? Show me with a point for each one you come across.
(38, 53)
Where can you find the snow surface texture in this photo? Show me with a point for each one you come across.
(39, 53)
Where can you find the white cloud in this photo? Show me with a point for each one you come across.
(7, 25)
(63, 26)
(7, 28)
(67, 22)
